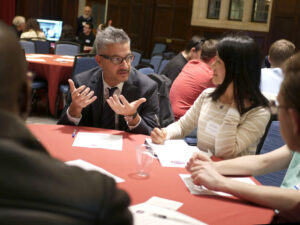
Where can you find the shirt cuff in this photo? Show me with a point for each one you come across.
(132, 127)
(73, 119)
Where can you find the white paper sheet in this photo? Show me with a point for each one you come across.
(164, 203)
(147, 214)
(89, 166)
(173, 153)
(98, 140)
(68, 56)
(64, 60)
(201, 190)
(35, 60)
(39, 56)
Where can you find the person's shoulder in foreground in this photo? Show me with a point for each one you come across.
(36, 188)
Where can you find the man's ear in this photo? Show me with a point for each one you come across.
(295, 119)
(99, 60)
(24, 100)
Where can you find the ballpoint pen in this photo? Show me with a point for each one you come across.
(74, 133)
(157, 121)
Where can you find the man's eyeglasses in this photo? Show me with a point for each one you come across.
(117, 60)
(274, 107)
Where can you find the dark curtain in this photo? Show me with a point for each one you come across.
(7, 10)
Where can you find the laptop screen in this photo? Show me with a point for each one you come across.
(51, 28)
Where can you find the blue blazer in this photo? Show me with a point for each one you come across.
(137, 86)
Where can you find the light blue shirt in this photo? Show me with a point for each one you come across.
(271, 79)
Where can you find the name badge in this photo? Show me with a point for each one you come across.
(212, 128)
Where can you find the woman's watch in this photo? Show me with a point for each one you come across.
(129, 118)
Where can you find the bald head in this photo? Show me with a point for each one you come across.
(12, 70)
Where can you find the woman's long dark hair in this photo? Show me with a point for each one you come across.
(32, 24)
(242, 59)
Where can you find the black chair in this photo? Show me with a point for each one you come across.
(42, 47)
(82, 62)
(67, 48)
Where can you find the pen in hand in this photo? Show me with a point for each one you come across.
(157, 121)
(74, 133)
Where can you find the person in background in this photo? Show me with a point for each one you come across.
(287, 198)
(195, 77)
(271, 78)
(87, 37)
(18, 24)
(114, 95)
(82, 20)
(99, 29)
(36, 188)
(191, 51)
(231, 118)
(67, 34)
(33, 31)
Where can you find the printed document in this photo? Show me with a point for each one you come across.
(149, 213)
(201, 190)
(174, 153)
(99, 140)
(89, 166)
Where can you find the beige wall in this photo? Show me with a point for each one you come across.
(81, 4)
(200, 11)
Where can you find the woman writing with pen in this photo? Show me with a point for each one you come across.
(232, 117)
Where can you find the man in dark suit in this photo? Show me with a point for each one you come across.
(114, 96)
(34, 187)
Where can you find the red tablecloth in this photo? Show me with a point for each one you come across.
(54, 68)
(163, 182)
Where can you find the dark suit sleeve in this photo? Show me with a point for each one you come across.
(63, 120)
(148, 109)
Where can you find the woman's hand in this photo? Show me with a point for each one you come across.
(158, 136)
(197, 157)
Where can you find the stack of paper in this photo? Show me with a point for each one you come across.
(173, 153)
(161, 211)
(201, 190)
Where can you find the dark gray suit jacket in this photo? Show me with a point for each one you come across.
(137, 86)
(38, 189)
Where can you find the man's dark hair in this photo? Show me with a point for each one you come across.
(242, 59)
(195, 42)
(90, 25)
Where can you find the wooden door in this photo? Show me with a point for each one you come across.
(151, 21)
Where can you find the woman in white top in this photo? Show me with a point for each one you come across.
(232, 117)
(33, 31)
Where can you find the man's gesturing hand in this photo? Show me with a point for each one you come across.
(81, 98)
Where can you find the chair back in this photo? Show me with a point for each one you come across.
(84, 62)
(146, 70)
(28, 46)
(159, 48)
(162, 65)
(272, 141)
(67, 48)
(137, 57)
(169, 55)
(42, 47)
(155, 61)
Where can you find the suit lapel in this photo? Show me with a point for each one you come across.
(97, 106)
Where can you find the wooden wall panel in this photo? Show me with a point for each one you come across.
(65, 10)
